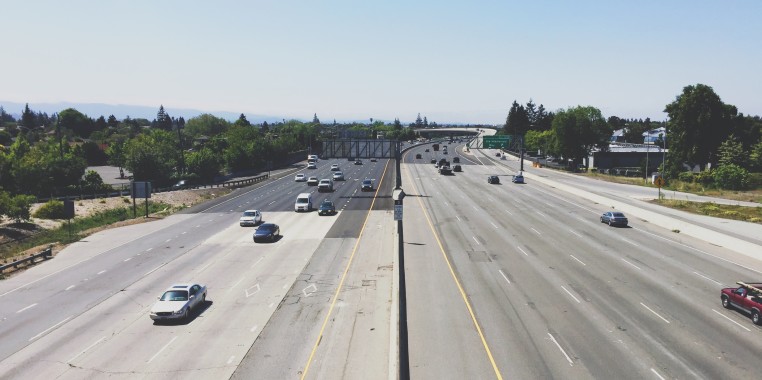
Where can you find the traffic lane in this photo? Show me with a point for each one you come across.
(78, 286)
(675, 301)
(356, 339)
(242, 285)
(443, 339)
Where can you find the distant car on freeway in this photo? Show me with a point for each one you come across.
(418, 156)
(493, 179)
(311, 165)
(374, 159)
(614, 218)
(338, 176)
(358, 162)
(457, 168)
(367, 185)
(300, 177)
(456, 160)
(327, 208)
(313, 181)
(518, 178)
(335, 167)
(177, 302)
(267, 232)
(250, 218)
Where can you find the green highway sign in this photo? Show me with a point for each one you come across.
(496, 142)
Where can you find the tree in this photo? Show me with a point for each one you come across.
(78, 123)
(204, 163)
(425, 122)
(206, 125)
(531, 110)
(18, 207)
(92, 181)
(731, 176)
(242, 121)
(163, 120)
(27, 118)
(315, 119)
(100, 124)
(112, 121)
(397, 124)
(418, 121)
(576, 131)
(152, 156)
(699, 123)
(115, 153)
(517, 122)
(537, 141)
(265, 127)
(755, 157)
(731, 152)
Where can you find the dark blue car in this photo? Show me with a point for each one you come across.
(267, 232)
(614, 218)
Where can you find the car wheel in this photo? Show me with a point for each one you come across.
(725, 302)
(755, 317)
(601, 220)
(186, 316)
(203, 298)
(610, 223)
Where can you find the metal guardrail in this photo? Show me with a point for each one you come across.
(32, 259)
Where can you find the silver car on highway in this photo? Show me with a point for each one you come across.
(178, 301)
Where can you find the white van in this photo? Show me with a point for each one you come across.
(312, 158)
(303, 202)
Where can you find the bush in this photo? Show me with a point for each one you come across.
(704, 178)
(686, 177)
(52, 209)
(731, 176)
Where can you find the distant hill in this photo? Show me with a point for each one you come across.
(121, 111)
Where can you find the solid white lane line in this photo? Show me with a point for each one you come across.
(48, 329)
(477, 241)
(27, 308)
(493, 225)
(101, 272)
(572, 231)
(657, 374)
(85, 350)
(522, 251)
(655, 313)
(561, 348)
(254, 328)
(538, 232)
(543, 215)
(162, 349)
(578, 260)
(231, 359)
(504, 276)
(127, 259)
(726, 317)
(701, 275)
(70, 287)
(569, 293)
(636, 267)
(153, 270)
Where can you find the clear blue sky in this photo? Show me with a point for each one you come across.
(452, 61)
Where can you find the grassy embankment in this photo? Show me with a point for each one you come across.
(748, 214)
(79, 228)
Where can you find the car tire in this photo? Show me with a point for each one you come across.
(726, 302)
(610, 223)
(755, 317)
(203, 298)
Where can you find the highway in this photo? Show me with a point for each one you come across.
(503, 281)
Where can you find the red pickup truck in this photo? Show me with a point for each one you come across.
(747, 297)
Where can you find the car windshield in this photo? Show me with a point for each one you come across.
(327, 204)
(266, 228)
(618, 215)
(175, 295)
(250, 213)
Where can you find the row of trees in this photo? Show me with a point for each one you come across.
(50, 160)
(702, 130)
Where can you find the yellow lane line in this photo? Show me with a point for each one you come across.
(343, 277)
(457, 282)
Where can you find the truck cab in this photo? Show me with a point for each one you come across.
(747, 297)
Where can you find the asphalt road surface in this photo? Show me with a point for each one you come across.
(503, 281)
